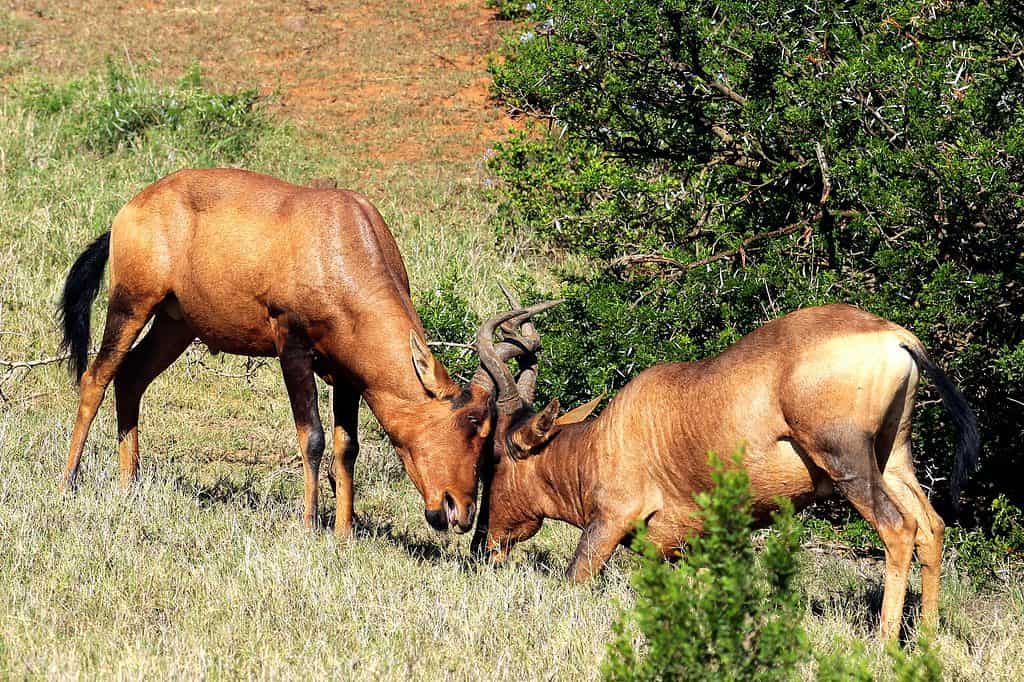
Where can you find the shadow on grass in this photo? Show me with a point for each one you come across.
(253, 489)
(249, 489)
(367, 527)
(862, 606)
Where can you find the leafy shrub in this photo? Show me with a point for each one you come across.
(513, 9)
(853, 664)
(923, 665)
(121, 108)
(726, 612)
(448, 319)
(986, 555)
(723, 163)
(723, 612)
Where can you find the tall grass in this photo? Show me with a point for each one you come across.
(204, 571)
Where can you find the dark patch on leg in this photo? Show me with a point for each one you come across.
(315, 443)
(296, 358)
(847, 453)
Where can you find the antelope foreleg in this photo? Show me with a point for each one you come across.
(345, 450)
(597, 544)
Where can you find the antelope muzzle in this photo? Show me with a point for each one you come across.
(458, 517)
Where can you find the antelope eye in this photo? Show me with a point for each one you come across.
(474, 420)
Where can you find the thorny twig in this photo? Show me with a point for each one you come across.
(826, 180)
(11, 369)
(29, 364)
(637, 259)
(452, 344)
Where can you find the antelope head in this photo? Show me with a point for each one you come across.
(455, 427)
(520, 431)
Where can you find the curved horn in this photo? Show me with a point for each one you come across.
(527, 382)
(492, 360)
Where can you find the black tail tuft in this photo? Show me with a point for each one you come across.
(75, 310)
(968, 442)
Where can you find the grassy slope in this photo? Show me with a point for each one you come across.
(205, 570)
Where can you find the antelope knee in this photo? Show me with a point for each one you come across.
(315, 445)
(349, 454)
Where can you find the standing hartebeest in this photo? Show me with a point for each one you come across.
(820, 397)
(255, 266)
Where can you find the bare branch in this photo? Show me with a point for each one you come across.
(725, 90)
(826, 180)
(866, 103)
(636, 259)
(11, 368)
(640, 258)
(29, 364)
(451, 344)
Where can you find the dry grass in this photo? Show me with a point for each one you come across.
(204, 571)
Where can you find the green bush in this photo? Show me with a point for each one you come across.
(122, 108)
(723, 163)
(849, 529)
(986, 554)
(727, 612)
(724, 613)
(853, 664)
(513, 9)
(448, 319)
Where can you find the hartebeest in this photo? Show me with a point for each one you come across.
(256, 266)
(820, 397)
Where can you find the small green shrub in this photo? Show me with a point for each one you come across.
(122, 108)
(1008, 525)
(984, 556)
(513, 9)
(725, 612)
(854, 532)
(922, 665)
(448, 319)
(853, 665)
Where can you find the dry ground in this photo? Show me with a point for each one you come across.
(391, 83)
(205, 571)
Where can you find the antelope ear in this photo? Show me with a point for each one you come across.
(578, 414)
(537, 430)
(430, 372)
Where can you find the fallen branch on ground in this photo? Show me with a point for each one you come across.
(11, 367)
(29, 364)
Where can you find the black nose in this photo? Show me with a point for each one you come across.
(437, 519)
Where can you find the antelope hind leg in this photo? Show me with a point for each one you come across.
(164, 343)
(297, 367)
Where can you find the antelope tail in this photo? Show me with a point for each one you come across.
(75, 309)
(968, 441)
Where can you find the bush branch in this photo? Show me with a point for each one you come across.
(639, 259)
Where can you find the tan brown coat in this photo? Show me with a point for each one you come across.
(256, 266)
(819, 398)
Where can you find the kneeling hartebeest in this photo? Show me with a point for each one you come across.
(819, 398)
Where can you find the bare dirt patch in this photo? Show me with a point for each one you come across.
(391, 82)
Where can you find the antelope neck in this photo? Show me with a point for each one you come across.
(559, 476)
